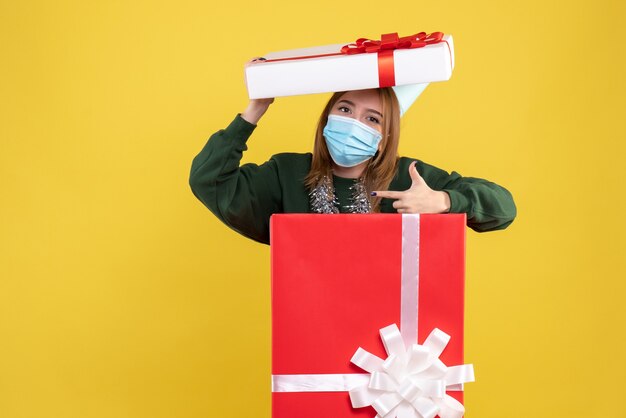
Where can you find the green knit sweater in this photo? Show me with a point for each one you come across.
(245, 196)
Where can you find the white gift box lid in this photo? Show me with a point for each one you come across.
(324, 69)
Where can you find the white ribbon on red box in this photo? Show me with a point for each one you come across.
(412, 381)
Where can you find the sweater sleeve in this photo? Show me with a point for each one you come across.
(488, 206)
(243, 197)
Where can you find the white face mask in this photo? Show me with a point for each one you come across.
(349, 141)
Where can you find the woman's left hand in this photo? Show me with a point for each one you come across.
(419, 198)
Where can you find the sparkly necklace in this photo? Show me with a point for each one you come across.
(324, 200)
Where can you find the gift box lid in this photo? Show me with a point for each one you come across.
(324, 69)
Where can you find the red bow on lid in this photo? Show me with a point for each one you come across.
(392, 41)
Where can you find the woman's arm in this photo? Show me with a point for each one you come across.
(243, 197)
(488, 206)
(428, 189)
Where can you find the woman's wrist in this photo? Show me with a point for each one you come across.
(252, 115)
(256, 109)
(442, 200)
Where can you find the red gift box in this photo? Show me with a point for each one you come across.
(338, 279)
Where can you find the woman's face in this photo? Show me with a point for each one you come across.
(362, 105)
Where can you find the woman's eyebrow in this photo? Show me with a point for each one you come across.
(375, 111)
(346, 101)
(352, 104)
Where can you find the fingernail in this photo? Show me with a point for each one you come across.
(373, 193)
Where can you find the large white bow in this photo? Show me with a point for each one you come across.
(410, 383)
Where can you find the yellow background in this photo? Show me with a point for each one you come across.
(122, 296)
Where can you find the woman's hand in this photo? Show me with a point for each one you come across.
(419, 198)
(257, 107)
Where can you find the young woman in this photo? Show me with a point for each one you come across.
(354, 168)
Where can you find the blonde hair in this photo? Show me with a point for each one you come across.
(380, 169)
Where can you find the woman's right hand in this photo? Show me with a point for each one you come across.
(257, 107)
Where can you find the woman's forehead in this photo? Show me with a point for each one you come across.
(368, 98)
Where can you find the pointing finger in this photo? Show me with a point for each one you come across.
(388, 194)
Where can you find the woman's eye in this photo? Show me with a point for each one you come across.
(373, 119)
(344, 109)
